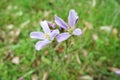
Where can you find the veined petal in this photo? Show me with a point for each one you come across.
(37, 35)
(61, 23)
(77, 32)
(40, 44)
(63, 36)
(45, 26)
(54, 33)
(72, 18)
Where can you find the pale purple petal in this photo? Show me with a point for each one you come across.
(61, 23)
(117, 72)
(54, 33)
(53, 25)
(37, 35)
(77, 32)
(72, 18)
(63, 36)
(40, 44)
(45, 26)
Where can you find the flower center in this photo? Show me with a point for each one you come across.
(47, 36)
(70, 30)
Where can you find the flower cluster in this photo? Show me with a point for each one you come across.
(48, 35)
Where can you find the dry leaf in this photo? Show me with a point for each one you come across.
(9, 7)
(86, 77)
(88, 25)
(46, 52)
(25, 23)
(21, 78)
(14, 35)
(78, 59)
(85, 53)
(60, 49)
(84, 30)
(17, 32)
(95, 37)
(65, 57)
(106, 28)
(45, 76)
(36, 62)
(2, 36)
(93, 3)
(10, 26)
(34, 77)
(115, 32)
(46, 13)
(25, 75)
(15, 60)
(9, 55)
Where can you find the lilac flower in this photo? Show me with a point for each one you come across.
(70, 27)
(53, 25)
(46, 37)
(117, 72)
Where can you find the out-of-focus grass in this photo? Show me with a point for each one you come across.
(97, 55)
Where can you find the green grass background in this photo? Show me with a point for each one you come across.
(60, 64)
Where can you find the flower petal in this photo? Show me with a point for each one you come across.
(72, 18)
(37, 35)
(61, 23)
(53, 25)
(54, 33)
(63, 36)
(45, 27)
(117, 72)
(40, 44)
(77, 32)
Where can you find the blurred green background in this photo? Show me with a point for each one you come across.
(95, 55)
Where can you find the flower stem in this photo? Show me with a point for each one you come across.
(66, 46)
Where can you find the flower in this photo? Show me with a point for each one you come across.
(70, 27)
(117, 72)
(53, 25)
(46, 37)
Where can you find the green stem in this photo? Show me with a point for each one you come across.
(66, 46)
